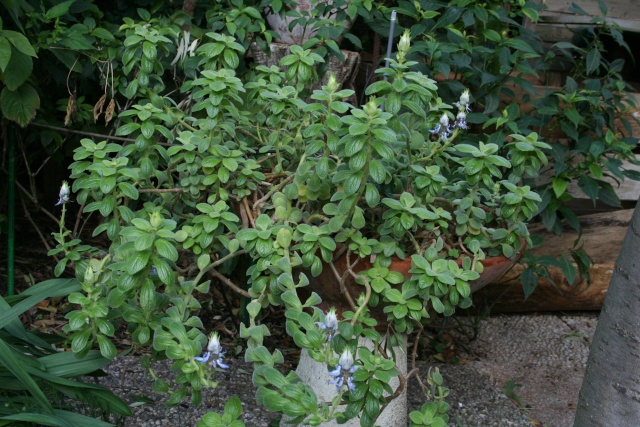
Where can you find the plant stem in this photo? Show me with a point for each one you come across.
(80, 132)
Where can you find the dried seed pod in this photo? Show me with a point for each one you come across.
(108, 115)
(97, 109)
(71, 109)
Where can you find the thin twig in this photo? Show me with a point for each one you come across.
(35, 201)
(160, 190)
(35, 226)
(80, 132)
(413, 362)
(229, 283)
(78, 218)
(367, 287)
(343, 288)
(245, 203)
(399, 390)
(243, 215)
(275, 188)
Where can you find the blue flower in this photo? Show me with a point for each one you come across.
(461, 120)
(215, 352)
(343, 371)
(442, 129)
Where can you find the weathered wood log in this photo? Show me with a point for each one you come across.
(508, 297)
(602, 238)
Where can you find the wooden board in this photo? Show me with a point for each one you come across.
(616, 9)
(602, 238)
(557, 23)
(508, 297)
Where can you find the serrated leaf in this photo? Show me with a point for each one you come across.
(20, 42)
(20, 105)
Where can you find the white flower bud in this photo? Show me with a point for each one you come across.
(64, 193)
(465, 98)
(346, 360)
(405, 42)
(89, 275)
(214, 344)
(444, 120)
(332, 83)
(331, 320)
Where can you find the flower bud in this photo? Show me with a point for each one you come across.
(331, 320)
(155, 219)
(63, 196)
(332, 83)
(214, 344)
(405, 42)
(444, 120)
(371, 106)
(89, 275)
(463, 103)
(346, 360)
(464, 98)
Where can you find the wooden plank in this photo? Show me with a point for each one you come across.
(627, 190)
(602, 236)
(602, 239)
(508, 297)
(575, 21)
(556, 23)
(617, 9)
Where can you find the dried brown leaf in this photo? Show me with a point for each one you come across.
(71, 110)
(99, 107)
(108, 115)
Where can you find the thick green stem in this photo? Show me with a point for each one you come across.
(365, 176)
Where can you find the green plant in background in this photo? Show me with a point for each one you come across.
(41, 384)
(486, 48)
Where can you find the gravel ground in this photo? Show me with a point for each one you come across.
(545, 355)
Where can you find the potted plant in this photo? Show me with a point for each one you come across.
(239, 167)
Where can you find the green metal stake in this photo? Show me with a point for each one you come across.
(11, 213)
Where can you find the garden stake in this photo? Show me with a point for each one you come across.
(11, 214)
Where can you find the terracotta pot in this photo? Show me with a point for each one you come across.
(328, 287)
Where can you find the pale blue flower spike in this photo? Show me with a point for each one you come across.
(204, 358)
(344, 371)
(220, 364)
